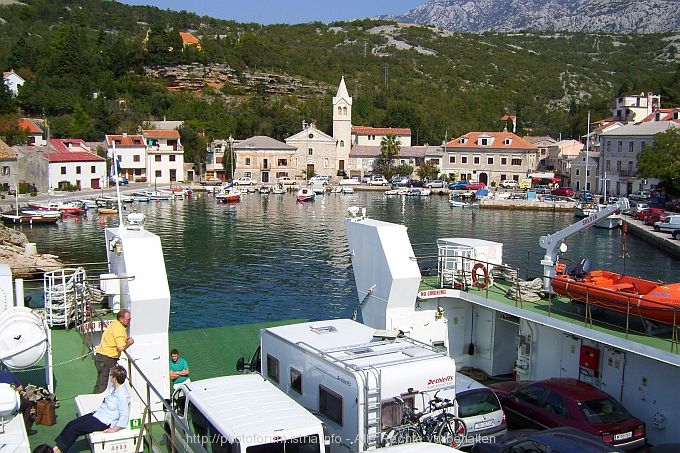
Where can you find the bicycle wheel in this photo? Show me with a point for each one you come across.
(402, 434)
(451, 431)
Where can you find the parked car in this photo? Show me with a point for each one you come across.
(285, 180)
(569, 402)
(400, 181)
(436, 184)
(322, 180)
(653, 218)
(563, 439)
(481, 410)
(563, 192)
(245, 181)
(639, 195)
(642, 215)
(509, 184)
(585, 196)
(669, 224)
(459, 185)
(120, 180)
(636, 207)
(540, 189)
(211, 182)
(378, 182)
(475, 186)
(415, 183)
(676, 234)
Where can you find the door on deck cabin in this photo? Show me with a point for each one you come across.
(612, 368)
(569, 359)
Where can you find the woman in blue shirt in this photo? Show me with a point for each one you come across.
(111, 416)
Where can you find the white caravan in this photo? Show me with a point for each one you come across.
(349, 374)
(237, 414)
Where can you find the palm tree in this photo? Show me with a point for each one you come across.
(389, 148)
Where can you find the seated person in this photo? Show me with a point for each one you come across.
(111, 416)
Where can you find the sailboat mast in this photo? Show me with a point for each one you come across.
(585, 183)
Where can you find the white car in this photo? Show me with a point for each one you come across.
(436, 184)
(481, 410)
(349, 181)
(245, 181)
(322, 180)
(378, 182)
(509, 184)
(669, 224)
(285, 180)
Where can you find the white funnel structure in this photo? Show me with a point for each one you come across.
(385, 269)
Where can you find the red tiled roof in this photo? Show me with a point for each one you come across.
(161, 133)
(516, 142)
(125, 141)
(405, 152)
(28, 125)
(188, 38)
(367, 130)
(665, 114)
(68, 145)
(81, 156)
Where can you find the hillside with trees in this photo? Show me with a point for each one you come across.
(91, 67)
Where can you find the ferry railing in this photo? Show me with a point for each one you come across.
(552, 304)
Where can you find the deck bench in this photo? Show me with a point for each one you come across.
(122, 441)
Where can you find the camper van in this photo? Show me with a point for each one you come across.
(353, 377)
(236, 414)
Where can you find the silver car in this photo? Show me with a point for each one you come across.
(481, 410)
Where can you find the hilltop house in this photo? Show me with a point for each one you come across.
(189, 40)
(34, 131)
(12, 81)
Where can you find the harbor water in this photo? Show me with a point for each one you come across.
(270, 257)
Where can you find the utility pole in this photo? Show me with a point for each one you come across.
(387, 73)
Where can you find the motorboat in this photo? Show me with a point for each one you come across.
(228, 195)
(418, 192)
(264, 189)
(65, 207)
(279, 189)
(651, 300)
(30, 219)
(347, 189)
(583, 209)
(463, 204)
(154, 195)
(305, 194)
(37, 212)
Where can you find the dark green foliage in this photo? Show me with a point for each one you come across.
(84, 64)
(662, 160)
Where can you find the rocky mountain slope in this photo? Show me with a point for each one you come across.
(590, 16)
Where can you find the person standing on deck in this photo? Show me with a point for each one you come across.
(179, 369)
(114, 341)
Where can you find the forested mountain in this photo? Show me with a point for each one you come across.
(94, 67)
(590, 16)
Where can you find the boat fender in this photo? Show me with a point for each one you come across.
(477, 279)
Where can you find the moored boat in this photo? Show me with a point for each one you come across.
(463, 204)
(66, 207)
(305, 194)
(228, 195)
(655, 301)
(30, 219)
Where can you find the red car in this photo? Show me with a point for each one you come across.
(475, 186)
(563, 192)
(653, 218)
(642, 215)
(569, 402)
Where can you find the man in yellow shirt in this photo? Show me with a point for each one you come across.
(114, 341)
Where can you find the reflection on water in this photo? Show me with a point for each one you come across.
(270, 257)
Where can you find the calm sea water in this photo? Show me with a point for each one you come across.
(270, 257)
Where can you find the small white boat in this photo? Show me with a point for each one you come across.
(582, 210)
(264, 190)
(463, 204)
(278, 189)
(336, 189)
(348, 189)
(305, 194)
(418, 192)
(392, 192)
(155, 195)
(37, 212)
(88, 204)
(228, 195)
(318, 189)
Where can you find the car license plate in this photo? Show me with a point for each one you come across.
(623, 436)
(486, 424)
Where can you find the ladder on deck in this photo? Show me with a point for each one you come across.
(372, 408)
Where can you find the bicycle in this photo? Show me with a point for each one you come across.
(443, 428)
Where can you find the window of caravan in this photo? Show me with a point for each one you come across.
(197, 422)
(296, 380)
(306, 444)
(330, 404)
(205, 434)
(391, 411)
(273, 368)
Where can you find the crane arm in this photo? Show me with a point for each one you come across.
(552, 242)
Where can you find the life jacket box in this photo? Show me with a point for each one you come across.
(10, 401)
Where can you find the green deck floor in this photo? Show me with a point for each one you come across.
(210, 352)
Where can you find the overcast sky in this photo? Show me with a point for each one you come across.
(284, 11)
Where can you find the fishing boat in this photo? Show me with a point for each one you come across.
(37, 212)
(305, 194)
(228, 195)
(65, 207)
(30, 219)
(650, 300)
